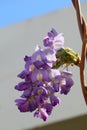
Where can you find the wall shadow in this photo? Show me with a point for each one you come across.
(77, 123)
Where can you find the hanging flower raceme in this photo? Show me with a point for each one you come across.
(42, 78)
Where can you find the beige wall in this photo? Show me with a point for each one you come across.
(19, 40)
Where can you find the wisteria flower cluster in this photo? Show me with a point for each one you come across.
(42, 80)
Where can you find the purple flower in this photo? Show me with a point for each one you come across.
(27, 58)
(27, 93)
(40, 81)
(32, 105)
(22, 74)
(29, 66)
(40, 91)
(37, 55)
(54, 40)
(22, 86)
(49, 55)
(44, 111)
(26, 105)
(66, 74)
(40, 99)
(69, 82)
(22, 104)
(47, 42)
(54, 73)
(56, 86)
(52, 33)
(54, 100)
(40, 75)
(50, 90)
(41, 113)
(48, 108)
(43, 58)
(66, 88)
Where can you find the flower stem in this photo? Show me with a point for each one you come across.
(82, 76)
(82, 24)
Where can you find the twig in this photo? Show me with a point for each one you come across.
(83, 32)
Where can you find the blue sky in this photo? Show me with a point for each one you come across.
(13, 11)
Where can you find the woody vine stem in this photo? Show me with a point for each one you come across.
(82, 24)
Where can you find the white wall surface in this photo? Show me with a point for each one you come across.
(19, 40)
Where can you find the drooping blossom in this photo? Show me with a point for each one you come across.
(54, 40)
(40, 81)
